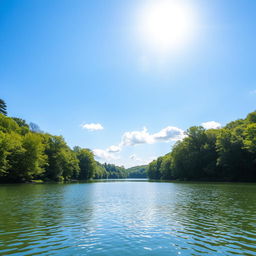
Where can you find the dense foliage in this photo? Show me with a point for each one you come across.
(226, 154)
(26, 154)
(115, 172)
(137, 172)
(111, 171)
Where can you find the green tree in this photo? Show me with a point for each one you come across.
(58, 154)
(62, 164)
(87, 163)
(20, 122)
(154, 169)
(12, 155)
(3, 107)
(4, 152)
(24, 127)
(250, 138)
(137, 171)
(115, 172)
(31, 160)
(8, 125)
(251, 117)
(100, 172)
(166, 171)
(230, 154)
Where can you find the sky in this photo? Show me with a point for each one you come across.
(127, 78)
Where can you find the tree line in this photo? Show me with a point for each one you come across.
(137, 172)
(27, 153)
(111, 171)
(226, 154)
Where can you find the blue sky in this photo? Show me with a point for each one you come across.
(67, 63)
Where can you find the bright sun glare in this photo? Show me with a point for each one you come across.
(165, 25)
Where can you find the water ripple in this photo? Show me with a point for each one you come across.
(125, 218)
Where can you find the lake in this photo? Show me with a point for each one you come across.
(128, 218)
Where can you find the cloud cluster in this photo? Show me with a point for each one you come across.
(133, 138)
(92, 127)
(136, 137)
(211, 125)
(167, 134)
(104, 154)
(114, 149)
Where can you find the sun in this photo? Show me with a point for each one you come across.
(165, 25)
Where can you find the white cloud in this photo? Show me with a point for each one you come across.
(133, 138)
(136, 137)
(114, 149)
(103, 155)
(167, 134)
(211, 125)
(92, 127)
(170, 133)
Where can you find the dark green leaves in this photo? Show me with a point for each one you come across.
(3, 107)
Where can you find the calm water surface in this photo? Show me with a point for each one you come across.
(128, 218)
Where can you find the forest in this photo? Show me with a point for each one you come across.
(27, 154)
(225, 154)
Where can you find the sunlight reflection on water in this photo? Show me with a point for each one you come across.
(115, 218)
